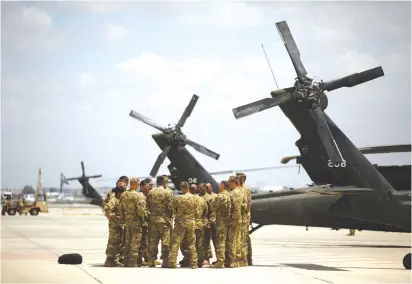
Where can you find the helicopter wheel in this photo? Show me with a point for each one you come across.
(407, 261)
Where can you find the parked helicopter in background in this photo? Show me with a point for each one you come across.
(348, 192)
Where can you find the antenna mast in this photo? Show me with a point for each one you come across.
(267, 59)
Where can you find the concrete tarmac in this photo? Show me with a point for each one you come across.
(30, 246)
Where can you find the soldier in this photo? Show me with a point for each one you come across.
(201, 224)
(133, 212)
(185, 207)
(206, 229)
(144, 244)
(183, 247)
(221, 206)
(246, 250)
(237, 207)
(160, 205)
(166, 182)
(115, 228)
(211, 234)
(110, 194)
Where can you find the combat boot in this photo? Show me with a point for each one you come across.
(199, 264)
(118, 264)
(170, 265)
(165, 263)
(157, 262)
(151, 264)
(218, 264)
(108, 264)
(184, 263)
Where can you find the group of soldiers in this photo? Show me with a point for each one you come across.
(140, 218)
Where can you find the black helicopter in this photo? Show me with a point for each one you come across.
(88, 190)
(183, 166)
(348, 191)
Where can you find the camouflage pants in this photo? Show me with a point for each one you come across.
(121, 254)
(244, 233)
(159, 232)
(233, 242)
(200, 249)
(221, 234)
(249, 250)
(144, 245)
(210, 234)
(184, 236)
(133, 237)
(114, 242)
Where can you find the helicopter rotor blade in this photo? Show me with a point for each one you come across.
(96, 176)
(188, 111)
(82, 168)
(252, 170)
(160, 159)
(326, 137)
(76, 178)
(292, 48)
(279, 97)
(353, 80)
(202, 149)
(146, 120)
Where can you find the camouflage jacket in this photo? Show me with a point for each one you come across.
(111, 210)
(221, 206)
(185, 207)
(237, 200)
(160, 205)
(132, 208)
(248, 201)
(202, 212)
(106, 199)
(210, 198)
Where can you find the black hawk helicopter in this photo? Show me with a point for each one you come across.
(88, 190)
(348, 191)
(183, 166)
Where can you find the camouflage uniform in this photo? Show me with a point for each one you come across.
(111, 210)
(201, 224)
(186, 207)
(210, 232)
(221, 206)
(144, 243)
(245, 238)
(160, 205)
(233, 241)
(133, 213)
(106, 199)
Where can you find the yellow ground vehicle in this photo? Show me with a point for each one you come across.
(13, 206)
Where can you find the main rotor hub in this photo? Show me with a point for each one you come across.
(175, 135)
(307, 90)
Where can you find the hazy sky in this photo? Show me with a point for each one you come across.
(71, 73)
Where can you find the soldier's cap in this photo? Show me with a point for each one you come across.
(123, 178)
(233, 179)
(134, 180)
